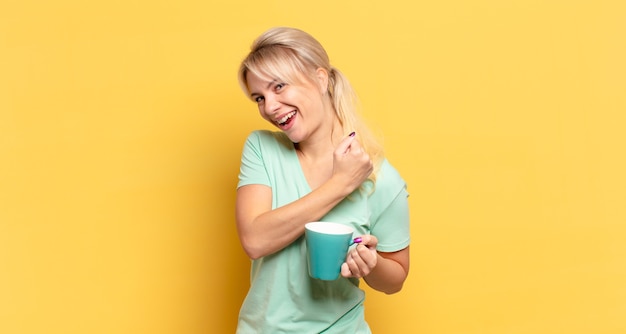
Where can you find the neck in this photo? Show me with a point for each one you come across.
(323, 143)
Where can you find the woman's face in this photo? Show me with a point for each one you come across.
(298, 109)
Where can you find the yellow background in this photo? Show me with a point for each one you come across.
(121, 126)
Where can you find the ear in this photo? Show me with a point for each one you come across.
(322, 79)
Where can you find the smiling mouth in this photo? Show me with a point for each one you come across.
(285, 119)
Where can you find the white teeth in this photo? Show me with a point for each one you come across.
(286, 117)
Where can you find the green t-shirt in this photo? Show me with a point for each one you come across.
(282, 297)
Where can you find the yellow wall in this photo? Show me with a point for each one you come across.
(121, 125)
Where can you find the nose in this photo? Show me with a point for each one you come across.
(271, 104)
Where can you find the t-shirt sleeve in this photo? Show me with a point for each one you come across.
(390, 213)
(252, 169)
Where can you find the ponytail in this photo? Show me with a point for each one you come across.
(347, 106)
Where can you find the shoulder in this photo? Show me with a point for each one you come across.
(267, 146)
(388, 179)
(260, 136)
(389, 184)
(268, 138)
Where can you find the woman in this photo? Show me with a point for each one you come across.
(321, 165)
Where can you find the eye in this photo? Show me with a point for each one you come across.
(259, 99)
(279, 86)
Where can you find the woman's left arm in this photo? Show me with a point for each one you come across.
(387, 268)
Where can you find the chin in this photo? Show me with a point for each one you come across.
(294, 139)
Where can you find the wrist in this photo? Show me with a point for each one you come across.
(340, 187)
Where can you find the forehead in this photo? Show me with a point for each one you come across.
(257, 84)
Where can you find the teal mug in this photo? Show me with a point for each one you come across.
(327, 246)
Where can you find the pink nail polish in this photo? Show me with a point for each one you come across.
(352, 134)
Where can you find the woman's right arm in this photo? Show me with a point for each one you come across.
(264, 231)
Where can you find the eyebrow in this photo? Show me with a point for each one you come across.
(253, 94)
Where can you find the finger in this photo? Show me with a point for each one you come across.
(345, 144)
(345, 270)
(349, 268)
(355, 146)
(366, 260)
(368, 256)
(369, 240)
(357, 264)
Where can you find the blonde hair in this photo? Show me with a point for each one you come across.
(291, 55)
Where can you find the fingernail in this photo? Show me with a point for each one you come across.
(356, 240)
(352, 134)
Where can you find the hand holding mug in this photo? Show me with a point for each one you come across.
(361, 260)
